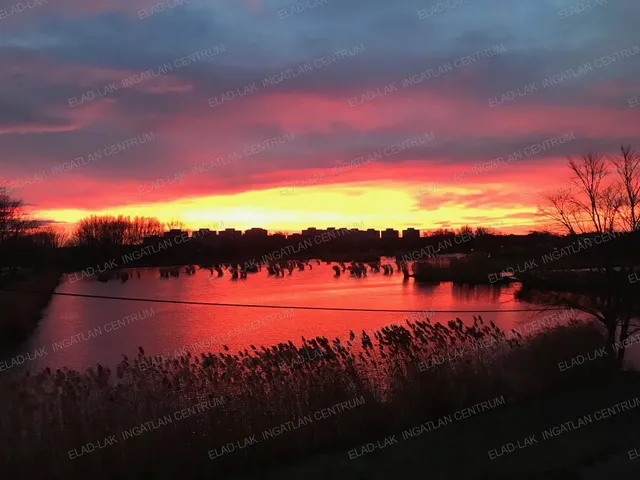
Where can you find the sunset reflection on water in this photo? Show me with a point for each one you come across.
(172, 327)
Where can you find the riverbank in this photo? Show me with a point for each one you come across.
(473, 449)
(204, 415)
(22, 311)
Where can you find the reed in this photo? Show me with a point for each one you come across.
(50, 413)
(471, 269)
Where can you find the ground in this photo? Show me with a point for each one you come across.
(599, 450)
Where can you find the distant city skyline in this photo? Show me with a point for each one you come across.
(497, 224)
(257, 232)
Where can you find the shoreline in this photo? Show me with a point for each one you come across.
(22, 311)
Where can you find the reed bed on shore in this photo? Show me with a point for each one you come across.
(403, 376)
(472, 269)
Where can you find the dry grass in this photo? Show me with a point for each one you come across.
(48, 414)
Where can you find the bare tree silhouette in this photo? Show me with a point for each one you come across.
(603, 198)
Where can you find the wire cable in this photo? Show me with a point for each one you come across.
(293, 307)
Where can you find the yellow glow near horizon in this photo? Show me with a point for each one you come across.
(371, 206)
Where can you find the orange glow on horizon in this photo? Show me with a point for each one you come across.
(376, 206)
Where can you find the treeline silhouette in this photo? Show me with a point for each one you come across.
(98, 240)
(25, 242)
(105, 231)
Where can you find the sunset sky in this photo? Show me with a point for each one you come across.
(346, 96)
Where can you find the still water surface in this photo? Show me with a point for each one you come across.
(164, 328)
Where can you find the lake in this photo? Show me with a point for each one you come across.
(79, 332)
